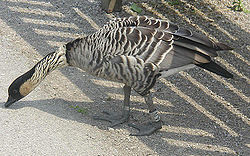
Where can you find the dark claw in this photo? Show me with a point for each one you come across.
(146, 128)
(114, 119)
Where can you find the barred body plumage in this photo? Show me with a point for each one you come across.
(134, 51)
(137, 50)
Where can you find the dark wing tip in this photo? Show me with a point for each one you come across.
(229, 75)
(215, 68)
(222, 46)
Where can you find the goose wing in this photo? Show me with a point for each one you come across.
(156, 40)
(163, 43)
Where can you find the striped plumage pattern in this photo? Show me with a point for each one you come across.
(49, 63)
(134, 51)
(137, 50)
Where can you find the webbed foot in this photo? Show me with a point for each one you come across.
(113, 118)
(146, 128)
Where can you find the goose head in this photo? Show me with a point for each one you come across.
(20, 87)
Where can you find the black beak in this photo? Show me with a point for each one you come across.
(9, 102)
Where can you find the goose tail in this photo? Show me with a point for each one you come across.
(215, 68)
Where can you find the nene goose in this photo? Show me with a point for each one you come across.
(134, 51)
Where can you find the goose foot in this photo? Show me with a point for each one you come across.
(146, 128)
(113, 118)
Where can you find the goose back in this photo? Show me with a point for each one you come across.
(137, 50)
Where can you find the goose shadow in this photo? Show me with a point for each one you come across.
(66, 109)
(84, 112)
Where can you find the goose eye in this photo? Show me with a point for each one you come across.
(15, 91)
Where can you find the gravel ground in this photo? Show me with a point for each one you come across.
(203, 113)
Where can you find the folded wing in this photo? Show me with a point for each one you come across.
(169, 46)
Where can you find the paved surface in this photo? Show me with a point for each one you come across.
(203, 113)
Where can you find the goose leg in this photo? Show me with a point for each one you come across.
(151, 126)
(116, 119)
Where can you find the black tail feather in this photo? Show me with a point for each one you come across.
(215, 68)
